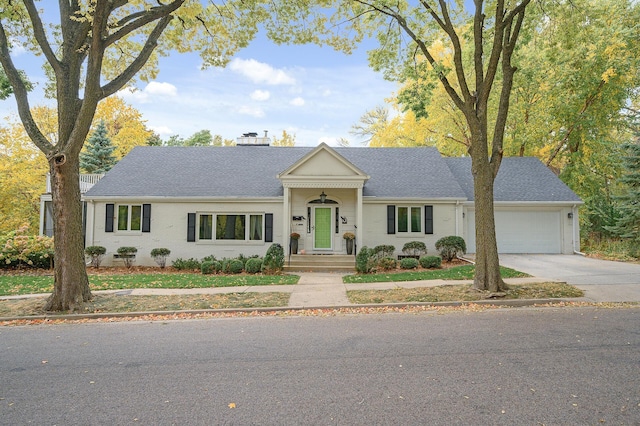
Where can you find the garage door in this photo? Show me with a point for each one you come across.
(521, 231)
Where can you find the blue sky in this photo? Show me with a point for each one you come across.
(312, 92)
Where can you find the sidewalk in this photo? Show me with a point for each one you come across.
(326, 290)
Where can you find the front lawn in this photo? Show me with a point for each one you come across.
(111, 303)
(462, 293)
(11, 285)
(464, 272)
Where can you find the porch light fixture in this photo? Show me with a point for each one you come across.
(570, 215)
(323, 197)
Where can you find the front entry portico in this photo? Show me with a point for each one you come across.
(322, 196)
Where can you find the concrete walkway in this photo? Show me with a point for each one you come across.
(319, 290)
(325, 290)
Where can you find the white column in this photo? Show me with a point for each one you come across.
(286, 219)
(359, 223)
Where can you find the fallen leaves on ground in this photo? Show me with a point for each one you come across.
(411, 309)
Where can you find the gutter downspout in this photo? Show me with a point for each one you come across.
(574, 212)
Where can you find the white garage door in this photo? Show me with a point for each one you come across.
(521, 231)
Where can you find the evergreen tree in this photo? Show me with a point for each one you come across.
(628, 224)
(98, 158)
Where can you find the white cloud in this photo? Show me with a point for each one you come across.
(162, 130)
(326, 92)
(153, 89)
(251, 110)
(260, 95)
(161, 89)
(17, 48)
(297, 101)
(259, 72)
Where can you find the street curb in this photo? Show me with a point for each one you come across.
(512, 303)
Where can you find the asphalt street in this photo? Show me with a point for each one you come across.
(527, 366)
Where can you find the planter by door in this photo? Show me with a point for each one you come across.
(294, 246)
(349, 246)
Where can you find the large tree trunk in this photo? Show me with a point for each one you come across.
(71, 283)
(487, 276)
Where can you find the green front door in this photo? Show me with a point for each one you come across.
(322, 228)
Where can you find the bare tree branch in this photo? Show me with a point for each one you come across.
(118, 83)
(20, 93)
(41, 36)
(142, 18)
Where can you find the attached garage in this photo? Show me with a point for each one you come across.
(524, 230)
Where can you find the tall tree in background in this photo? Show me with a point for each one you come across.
(125, 125)
(287, 139)
(406, 31)
(92, 51)
(200, 138)
(98, 156)
(628, 223)
(23, 170)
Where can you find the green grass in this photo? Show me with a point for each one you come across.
(464, 272)
(610, 249)
(462, 292)
(114, 303)
(30, 284)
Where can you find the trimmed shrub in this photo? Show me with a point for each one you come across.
(127, 254)
(242, 258)
(190, 264)
(96, 253)
(364, 262)
(409, 263)
(253, 265)
(387, 263)
(236, 266)
(208, 267)
(17, 249)
(224, 266)
(273, 262)
(160, 256)
(414, 248)
(449, 247)
(382, 251)
(430, 261)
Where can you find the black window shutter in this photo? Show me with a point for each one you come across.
(428, 219)
(108, 222)
(391, 219)
(191, 227)
(146, 218)
(268, 227)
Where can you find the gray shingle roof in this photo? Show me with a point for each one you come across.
(250, 171)
(519, 179)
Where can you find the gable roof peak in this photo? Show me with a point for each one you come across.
(316, 152)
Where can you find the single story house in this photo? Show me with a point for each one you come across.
(226, 201)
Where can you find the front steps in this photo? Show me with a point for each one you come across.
(320, 263)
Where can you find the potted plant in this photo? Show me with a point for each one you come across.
(349, 238)
(293, 243)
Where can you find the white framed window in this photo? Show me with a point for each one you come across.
(129, 217)
(409, 219)
(231, 226)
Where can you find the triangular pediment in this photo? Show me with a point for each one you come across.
(323, 162)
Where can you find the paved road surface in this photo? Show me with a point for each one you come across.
(528, 366)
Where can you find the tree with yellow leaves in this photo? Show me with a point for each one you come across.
(125, 126)
(23, 171)
(287, 139)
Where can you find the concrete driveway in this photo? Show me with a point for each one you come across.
(602, 280)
